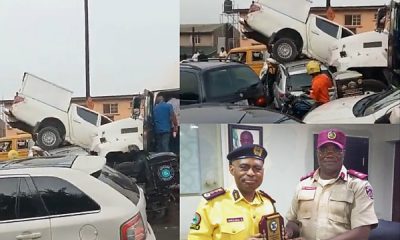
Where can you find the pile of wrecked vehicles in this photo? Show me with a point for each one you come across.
(363, 66)
(59, 127)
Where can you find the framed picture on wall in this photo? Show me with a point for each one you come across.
(240, 135)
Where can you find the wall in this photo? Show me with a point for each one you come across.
(290, 156)
(206, 39)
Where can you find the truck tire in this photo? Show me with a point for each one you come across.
(284, 50)
(49, 138)
(373, 85)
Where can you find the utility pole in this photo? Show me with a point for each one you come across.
(87, 70)
(89, 102)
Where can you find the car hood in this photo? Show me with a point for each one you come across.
(231, 114)
(339, 110)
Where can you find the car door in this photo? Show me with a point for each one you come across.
(256, 61)
(73, 214)
(322, 34)
(190, 92)
(22, 214)
(83, 124)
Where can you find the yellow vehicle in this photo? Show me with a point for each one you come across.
(251, 55)
(15, 146)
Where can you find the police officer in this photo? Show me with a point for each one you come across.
(332, 202)
(235, 213)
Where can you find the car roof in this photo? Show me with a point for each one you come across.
(87, 164)
(299, 65)
(209, 65)
(231, 113)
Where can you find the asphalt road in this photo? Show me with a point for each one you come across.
(167, 228)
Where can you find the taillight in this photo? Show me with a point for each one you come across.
(18, 99)
(261, 102)
(254, 8)
(133, 229)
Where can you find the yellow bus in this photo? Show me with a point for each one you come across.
(18, 143)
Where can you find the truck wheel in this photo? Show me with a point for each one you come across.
(284, 50)
(49, 138)
(373, 85)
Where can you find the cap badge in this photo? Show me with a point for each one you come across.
(331, 135)
(257, 151)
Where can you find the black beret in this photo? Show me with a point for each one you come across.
(248, 151)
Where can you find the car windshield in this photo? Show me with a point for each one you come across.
(229, 81)
(297, 82)
(119, 182)
(381, 100)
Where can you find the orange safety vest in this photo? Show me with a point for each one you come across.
(320, 88)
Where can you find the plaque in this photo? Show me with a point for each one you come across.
(271, 227)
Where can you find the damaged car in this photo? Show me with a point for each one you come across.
(292, 31)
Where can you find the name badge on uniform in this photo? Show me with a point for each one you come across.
(308, 188)
(236, 219)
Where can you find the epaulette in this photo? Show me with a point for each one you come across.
(213, 193)
(264, 194)
(356, 174)
(307, 176)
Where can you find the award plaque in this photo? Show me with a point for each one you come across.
(271, 227)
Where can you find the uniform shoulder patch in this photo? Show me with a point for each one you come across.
(264, 194)
(307, 176)
(213, 193)
(356, 174)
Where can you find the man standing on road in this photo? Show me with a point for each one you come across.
(234, 213)
(164, 122)
(320, 83)
(332, 202)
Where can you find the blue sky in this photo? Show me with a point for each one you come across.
(133, 44)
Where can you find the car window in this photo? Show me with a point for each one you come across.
(5, 146)
(22, 144)
(8, 198)
(327, 27)
(228, 81)
(104, 120)
(346, 33)
(61, 197)
(257, 56)
(29, 203)
(298, 81)
(238, 57)
(87, 115)
(121, 183)
(189, 87)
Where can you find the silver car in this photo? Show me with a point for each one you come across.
(292, 78)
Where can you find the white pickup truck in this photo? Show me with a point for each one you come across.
(44, 109)
(134, 133)
(288, 29)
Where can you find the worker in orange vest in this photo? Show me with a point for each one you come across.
(320, 83)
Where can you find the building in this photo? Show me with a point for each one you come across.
(115, 107)
(355, 15)
(208, 38)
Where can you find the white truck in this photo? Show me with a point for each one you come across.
(44, 109)
(134, 133)
(288, 29)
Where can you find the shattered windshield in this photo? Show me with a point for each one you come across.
(381, 101)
